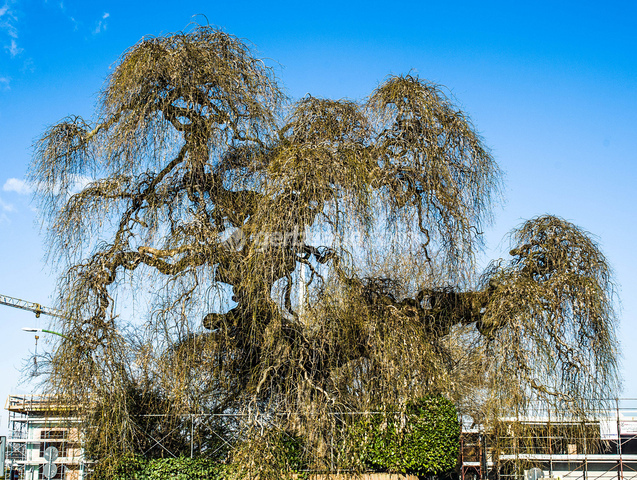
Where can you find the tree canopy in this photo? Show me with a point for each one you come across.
(297, 260)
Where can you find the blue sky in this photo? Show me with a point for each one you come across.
(551, 86)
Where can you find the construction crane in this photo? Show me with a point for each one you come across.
(30, 306)
(38, 310)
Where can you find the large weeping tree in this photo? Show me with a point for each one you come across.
(225, 250)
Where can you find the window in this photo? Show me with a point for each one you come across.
(55, 438)
(60, 445)
(53, 434)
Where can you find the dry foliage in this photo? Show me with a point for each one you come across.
(293, 261)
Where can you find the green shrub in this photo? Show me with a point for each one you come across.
(291, 451)
(424, 440)
(183, 468)
(135, 467)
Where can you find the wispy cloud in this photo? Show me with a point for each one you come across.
(13, 48)
(8, 20)
(8, 25)
(76, 184)
(18, 186)
(71, 18)
(5, 83)
(81, 181)
(101, 24)
(6, 207)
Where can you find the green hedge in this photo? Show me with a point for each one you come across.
(135, 467)
(424, 441)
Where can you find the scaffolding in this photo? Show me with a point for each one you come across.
(37, 422)
(535, 445)
(472, 455)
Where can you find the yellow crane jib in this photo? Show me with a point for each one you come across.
(30, 306)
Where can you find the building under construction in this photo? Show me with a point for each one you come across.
(535, 446)
(37, 422)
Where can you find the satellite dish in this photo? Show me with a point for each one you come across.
(50, 469)
(51, 454)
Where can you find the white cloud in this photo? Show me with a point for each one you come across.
(13, 48)
(6, 207)
(17, 185)
(80, 182)
(5, 83)
(77, 184)
(8, 20)
(101, 24)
